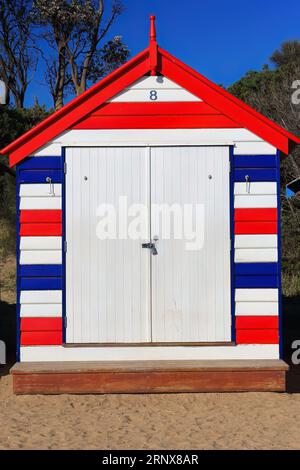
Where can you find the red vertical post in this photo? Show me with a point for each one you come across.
(152, 28)
(153, 47)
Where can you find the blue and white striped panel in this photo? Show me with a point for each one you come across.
(40, 269)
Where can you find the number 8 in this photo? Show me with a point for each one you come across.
(153, 95)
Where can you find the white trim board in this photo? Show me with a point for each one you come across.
(256, 295)
(255, 241)
(256, 309)
(41, 310)
(41, 256)
(40, 190)
(256, 201)
(176, 353)
(40, 297)
(264, 188)
(138, 95)
(164, 89)
(40, 243)
(50, 149)
(256, 255)
(32, 203)
(245, 141)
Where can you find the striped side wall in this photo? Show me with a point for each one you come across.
(40, 271)
(256, 249)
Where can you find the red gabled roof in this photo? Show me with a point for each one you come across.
(152, 60)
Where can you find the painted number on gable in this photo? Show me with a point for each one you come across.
(153, 95)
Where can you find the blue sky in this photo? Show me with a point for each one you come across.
(220, 39)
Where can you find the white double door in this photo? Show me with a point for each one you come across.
(117, 199)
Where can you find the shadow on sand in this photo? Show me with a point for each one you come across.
(291, 333)
(8, 334)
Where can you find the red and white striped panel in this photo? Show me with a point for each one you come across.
(256, 241)
(40, 244)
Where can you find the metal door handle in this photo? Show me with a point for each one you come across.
(248, 182)
(51, 186)
(150, 246)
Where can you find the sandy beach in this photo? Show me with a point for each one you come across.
(174, 421)
(183, 421)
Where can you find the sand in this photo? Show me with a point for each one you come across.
(175, 421)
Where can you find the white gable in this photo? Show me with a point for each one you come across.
(151, 89)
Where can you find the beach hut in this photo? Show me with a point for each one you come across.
(104, 307)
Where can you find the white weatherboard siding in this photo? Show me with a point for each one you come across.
(191, 289)
(150, 83)
(256, 295)
(50, 202)
(256, 308)
(40, 257)
(107, 295)
(41, 310)
(256, 255)
(41, 297)
(261, 188)
(178, 353)
(40, 243)
(53, 150)
(245, 142)
(40, 190)
(256, 201)
(255, 241)
(149, 89)
(160, 95)
(254, 148)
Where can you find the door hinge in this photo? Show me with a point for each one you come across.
(65, 323)
(65, 167)
(65, 246)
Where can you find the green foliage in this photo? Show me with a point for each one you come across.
(251, 84)
(288, 54)
(113, 54)
(13, 123)
(291, 284)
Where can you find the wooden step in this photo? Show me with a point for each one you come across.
(149, 376)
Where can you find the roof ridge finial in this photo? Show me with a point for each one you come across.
(153, 47)
(152, 28)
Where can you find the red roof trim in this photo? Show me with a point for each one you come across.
(231, 97)
(227, 103)
(138, 66)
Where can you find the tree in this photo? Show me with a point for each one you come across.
(55, 18)
(271, 91)
(13, 123)
(289, 53)
(75, 30)
(17, 54)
